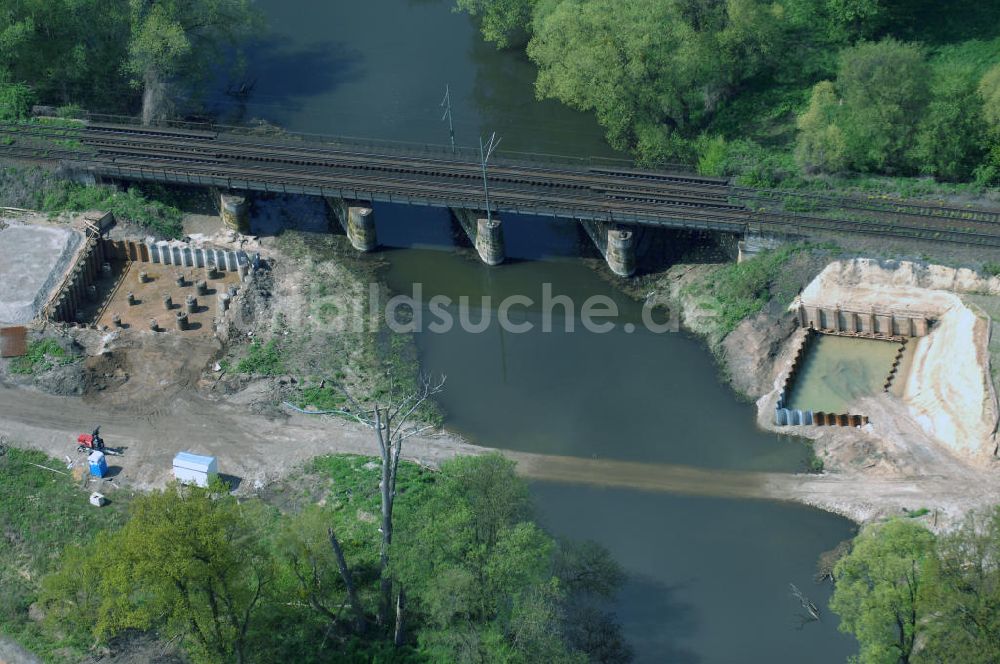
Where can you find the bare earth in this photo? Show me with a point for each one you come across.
(258, 451)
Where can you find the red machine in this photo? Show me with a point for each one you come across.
(93, 443)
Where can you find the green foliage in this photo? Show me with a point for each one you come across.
(740, 290)
(15, 99)
(877, 589)
(908, 596)
(322, 398)
(190, 560)
(991, 269)
(236, 578)
(989, 90)
(503, 22)
(962, 597)
(41, 513)
(950, 140)
(884, 89)
(262, 359)
(821, 145)
(41, 356)
(89, 51)
(479, 573)
(738, 87)
(131, 206)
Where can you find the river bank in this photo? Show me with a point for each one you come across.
(900, 464)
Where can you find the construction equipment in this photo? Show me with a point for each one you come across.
(94, 443)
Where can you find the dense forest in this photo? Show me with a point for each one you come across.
(772, 91)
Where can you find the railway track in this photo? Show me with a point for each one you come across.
(627, 195)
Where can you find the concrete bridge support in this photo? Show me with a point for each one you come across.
(485, 234)
(358, 221)
(616, 243)
(235, 212)
(756, 243)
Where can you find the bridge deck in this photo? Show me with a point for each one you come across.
(346, 168)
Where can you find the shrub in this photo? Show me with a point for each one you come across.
(262, 359)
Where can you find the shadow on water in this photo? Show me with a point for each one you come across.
(657, 618)
(287, 76)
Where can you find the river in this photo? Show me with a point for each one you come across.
(708, 578)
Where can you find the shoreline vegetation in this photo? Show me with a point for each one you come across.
(876, 96)
(483, 582)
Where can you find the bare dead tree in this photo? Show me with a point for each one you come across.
(811, 610)
(348, 578)
(392, 423)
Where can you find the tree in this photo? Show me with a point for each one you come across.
(951, 136)
(880, 587)
(884, 88)
(506, 23)
(989, 92)
(189, 560)
(15, 99)
(964, 591)
(172, 37)
(325, 579)
(480, 573)
(392, 423)
(820, 144)
(68, 50)
(654, 72)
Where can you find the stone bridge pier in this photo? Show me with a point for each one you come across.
(234, 208)
(485, 234)
(357, 218)
(616, 243)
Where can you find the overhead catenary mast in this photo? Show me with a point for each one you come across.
(446, 104)
(485, 152)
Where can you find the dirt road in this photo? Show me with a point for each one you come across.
(258, 451)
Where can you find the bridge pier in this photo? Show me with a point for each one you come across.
(358, 221)
(486, 235)
(616, 243)
(235, 212)
(755, 244)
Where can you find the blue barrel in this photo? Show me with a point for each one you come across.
(98, 464)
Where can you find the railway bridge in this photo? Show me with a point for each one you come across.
(608, 197)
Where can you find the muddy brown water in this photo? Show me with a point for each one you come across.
(708, 577)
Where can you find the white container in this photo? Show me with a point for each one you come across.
(195, 469)
(97, 499)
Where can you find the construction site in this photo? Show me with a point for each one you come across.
(887, 367)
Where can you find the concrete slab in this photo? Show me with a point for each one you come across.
(33, 260)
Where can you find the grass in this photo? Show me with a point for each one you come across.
(355, 479)
(740, 290)
(262, 360)
(131, 206)
(322, 398)
(37, 188)
(41, 513)
(41, 356)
